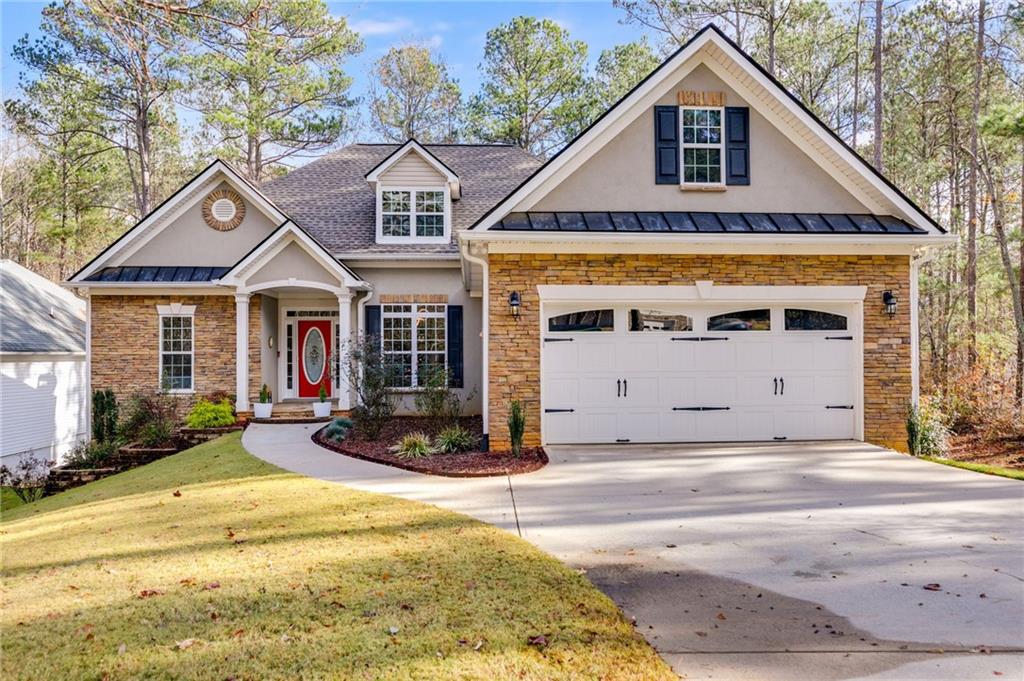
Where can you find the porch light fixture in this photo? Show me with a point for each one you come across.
(514, 303)
(889, 299)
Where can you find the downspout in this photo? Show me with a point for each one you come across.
(916, 260)
(485, 340)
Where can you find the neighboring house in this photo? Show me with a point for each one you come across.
(706, 262)
(43, 396)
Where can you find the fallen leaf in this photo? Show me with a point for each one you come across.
(211, 586)
(392, 630)
(149, 593)
(478, 645)
(670, 546)
(285, 638)
(538, 641)
(702, 634)
(178, 494)
(932, 587)
(721, 616)
(237, 632)
(122, 649)
(185, 643)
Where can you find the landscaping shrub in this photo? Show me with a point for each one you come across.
(264, 394)
(927, 432)
(372, 375)
(150, 418)
(26, 478)
(413, 446)
(206, 414)
(104, 415)
(455, 439)
(90, 454)
(435, 396)
(338, 429)
(516, 426)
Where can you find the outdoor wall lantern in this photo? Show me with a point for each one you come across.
(514, 304)
(889, 299)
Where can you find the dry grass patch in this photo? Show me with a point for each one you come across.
(212, 564)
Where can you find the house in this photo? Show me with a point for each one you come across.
(705, 262)
(43, 394)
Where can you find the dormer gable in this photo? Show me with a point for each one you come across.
(414, 191)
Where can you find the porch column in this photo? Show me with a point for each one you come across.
(241, 352)
(345, 339)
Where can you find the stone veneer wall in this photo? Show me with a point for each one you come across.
(515, 345)
(125, 337)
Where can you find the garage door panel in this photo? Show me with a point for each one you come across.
(833, 355)
(793, 354)
(717, 390)
(677, 355)
(677, 391)
(561, 356)
(834, 389)
(755, 389)
(716, 426)
(643, 391)
(597, 391)
(797, 389)
(597, 356)
(679, 426)
(562, 427)
(753, 354)
(562, 391)
(715, 355)
(638, 355)
(640, 426)
(598, 426)
(754, 424)
(835, 424)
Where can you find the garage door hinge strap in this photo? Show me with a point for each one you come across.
(559, 340)
(559, 411)
(701, 408)
(839, 406)
(838, 337)
(700, 339)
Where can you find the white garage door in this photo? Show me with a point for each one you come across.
(643, 373)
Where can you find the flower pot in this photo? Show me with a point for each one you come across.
(321, 409)
(262, 410)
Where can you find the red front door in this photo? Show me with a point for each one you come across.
(314, 352)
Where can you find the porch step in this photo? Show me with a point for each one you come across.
(284, 418)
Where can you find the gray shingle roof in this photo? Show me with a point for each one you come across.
(744, 223)
(37, 315)
(331, 199)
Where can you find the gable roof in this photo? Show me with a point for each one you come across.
(38, 315)
(411, 146)
(712, 38)
(151, 224)
(331, 200)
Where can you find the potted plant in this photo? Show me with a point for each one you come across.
(265, 407)
(322, 409)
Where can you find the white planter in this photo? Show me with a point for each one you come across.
(262, 410)
(322, 409)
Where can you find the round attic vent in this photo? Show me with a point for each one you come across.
(223, 209)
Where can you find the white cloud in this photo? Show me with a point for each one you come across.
(379, 27)
(433, 42)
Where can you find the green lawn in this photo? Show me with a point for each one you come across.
(979, 467)
(212, 564)
(8, 500)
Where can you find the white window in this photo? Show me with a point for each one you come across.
(177, 353)
(413, 215)
(414, 339)
(702, 145)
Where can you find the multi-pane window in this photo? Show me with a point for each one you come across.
(176, 352)
(412, 213)
(702, 146)
(413, 340)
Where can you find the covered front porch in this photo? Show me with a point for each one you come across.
(295, 339)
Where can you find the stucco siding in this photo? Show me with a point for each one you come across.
(412, 171)
(620, 176)
(292, 261)
(190, 241)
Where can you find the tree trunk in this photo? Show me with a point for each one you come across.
(1020, 289)
(972, 199)
(877, 56)
(856, 76)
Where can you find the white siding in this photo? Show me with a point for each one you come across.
(42, 406)
(412, 171)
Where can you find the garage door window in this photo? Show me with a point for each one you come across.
(798, 319)
(587, 320)
(742, 320)
(658, 320)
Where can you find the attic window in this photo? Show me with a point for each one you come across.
(702, 145)
(412, 215)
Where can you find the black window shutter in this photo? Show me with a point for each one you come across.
(455, 364)
(666, 145)
(373, 327)
(737, 145)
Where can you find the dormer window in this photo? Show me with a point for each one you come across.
(702, 145)
(413, 215)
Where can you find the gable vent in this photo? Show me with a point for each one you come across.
(223, 209)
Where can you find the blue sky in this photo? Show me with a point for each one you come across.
(455, 30)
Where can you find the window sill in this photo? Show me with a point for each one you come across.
(181, 392)
(702, 188)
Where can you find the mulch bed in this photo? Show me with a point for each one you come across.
(466, 465)
(1004, 452)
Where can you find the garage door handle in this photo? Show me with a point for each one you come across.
(776, 392)
(782, 386)
(618, 388)
(839, 406)
(625, 387)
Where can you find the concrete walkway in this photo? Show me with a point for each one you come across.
(789, 561)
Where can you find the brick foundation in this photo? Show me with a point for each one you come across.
(515, 344)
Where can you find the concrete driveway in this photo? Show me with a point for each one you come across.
(781, 561)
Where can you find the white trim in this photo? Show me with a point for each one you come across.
(705, 291)
(371, 259)
(398, 154)
(23, 355)
(287, 233)
(141, 233)
(412, 238)
(343, 338)
(915, 324)
(485, 334)
(174, 310)
(648, 92)
(242, 352)
(149, 287)
(292, 282)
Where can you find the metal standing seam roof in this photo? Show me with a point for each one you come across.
(158, 274)
(723, 223)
